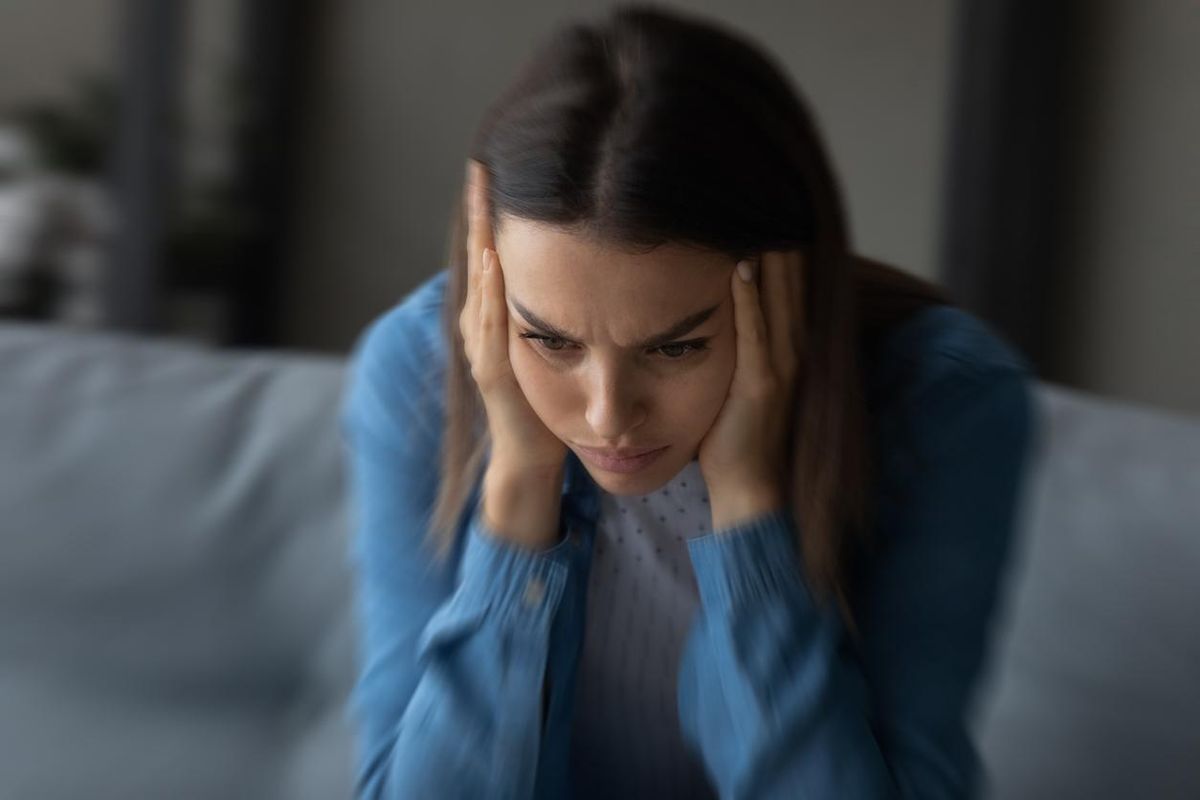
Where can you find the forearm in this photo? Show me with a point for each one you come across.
(524, 507)
(475, 724)
(766, 693)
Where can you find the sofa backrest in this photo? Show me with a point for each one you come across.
(174, 595)
(1094, 689)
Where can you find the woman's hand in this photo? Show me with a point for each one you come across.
(743, 456)
(524, 477)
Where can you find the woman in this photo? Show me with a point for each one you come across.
(786, 591)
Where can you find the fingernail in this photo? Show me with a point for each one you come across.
(487, 259)
(745, 270)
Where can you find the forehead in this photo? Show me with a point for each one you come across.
(547, 264)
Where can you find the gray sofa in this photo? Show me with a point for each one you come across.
(175, 595)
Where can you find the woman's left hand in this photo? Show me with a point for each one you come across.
(744, 454)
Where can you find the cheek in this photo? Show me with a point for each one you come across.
(545, 390)
(702, 393)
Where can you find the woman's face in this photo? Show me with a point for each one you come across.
(604, 376)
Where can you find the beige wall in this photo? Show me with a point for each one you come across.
(401, 87)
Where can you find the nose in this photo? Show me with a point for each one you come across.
(614, 409)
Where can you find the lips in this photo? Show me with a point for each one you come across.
(631, 452)
(622, 466)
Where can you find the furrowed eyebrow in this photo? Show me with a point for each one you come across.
(683, 326)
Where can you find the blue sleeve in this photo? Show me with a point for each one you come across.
(448, 700)
(773, 695)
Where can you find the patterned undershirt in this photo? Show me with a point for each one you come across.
(641, 602)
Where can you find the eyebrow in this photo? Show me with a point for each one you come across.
(683, 326)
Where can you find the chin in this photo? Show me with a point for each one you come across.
(626, 485)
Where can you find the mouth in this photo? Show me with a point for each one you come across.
(626, 461)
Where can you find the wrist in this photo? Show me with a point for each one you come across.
(523, 505)
(514, 473)
(732, 506)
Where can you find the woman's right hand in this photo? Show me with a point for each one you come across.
(524, 451)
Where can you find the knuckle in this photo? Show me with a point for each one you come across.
(493, 323)
(488, 379)
(479, 373)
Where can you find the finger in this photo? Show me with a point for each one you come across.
(493, 345)
(753, 354)
(776, 301)
(478, 237)
(479, 230)
(468, 317)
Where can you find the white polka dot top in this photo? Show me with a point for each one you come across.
(641, 602)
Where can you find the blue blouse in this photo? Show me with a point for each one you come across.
(773, 697)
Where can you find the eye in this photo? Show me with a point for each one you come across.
(543, 341)
(694, 346)
(675, 351)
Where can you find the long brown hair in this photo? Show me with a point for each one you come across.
(651, 127)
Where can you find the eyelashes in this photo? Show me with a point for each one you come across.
(674, 351)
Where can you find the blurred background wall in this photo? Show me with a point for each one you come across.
(387, 93)
(45, 44)
(401, 87)
(1128, 323)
